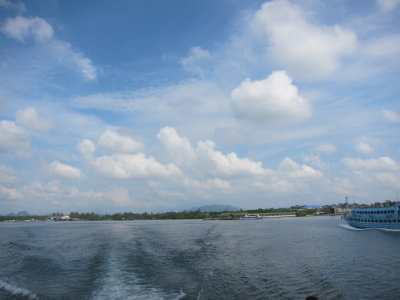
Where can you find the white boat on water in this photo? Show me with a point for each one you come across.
(250, 217)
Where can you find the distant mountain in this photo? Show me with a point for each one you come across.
(19, 214)
(215, 208)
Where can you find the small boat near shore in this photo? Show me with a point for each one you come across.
(250, 217)
(377, 217)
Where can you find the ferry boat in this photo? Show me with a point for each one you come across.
(250, 217)
(382, 217)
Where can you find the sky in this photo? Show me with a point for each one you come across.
(168, 105)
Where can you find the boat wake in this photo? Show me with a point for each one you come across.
(389, 229)
(121, 283)
(347, 226)
(15, 290)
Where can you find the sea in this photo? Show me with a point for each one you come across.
(284, 258)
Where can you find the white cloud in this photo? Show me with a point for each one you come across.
(364, 147)
(291, 169)
(74, 58)
(326, 148)
(13, 138)
(22, 28)
(193, 61)
(112, 141)
(30, 119)
(371, 173)
(315, 159)
(124, 166)
(374, 164)
(86, 148)
(306, 50)
(391, 115)
(274, 100)
(65, 171)
(177, 148)
(19, 7)
(25, 28)
(204, 159)
(137, 166)
(387, 5)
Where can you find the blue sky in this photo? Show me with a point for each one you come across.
(168, 105)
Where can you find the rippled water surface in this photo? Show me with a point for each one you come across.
(287, 258)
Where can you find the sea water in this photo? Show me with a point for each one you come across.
(288, 258)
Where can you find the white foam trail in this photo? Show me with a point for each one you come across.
(347, 226)
(119, 283)
(16, 290)
(389, 229)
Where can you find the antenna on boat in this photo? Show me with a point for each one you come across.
(347, 202)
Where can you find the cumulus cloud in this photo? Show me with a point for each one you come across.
(39, 30)
(29, 118)
(112, 141)
(124, 166)
(204, 158)
(325, 148)
(13, 139)
(271, 101)
(291, 169)
(136, 166)
(391, 115)
(306, 50)
(387, 5)
(65, 171)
